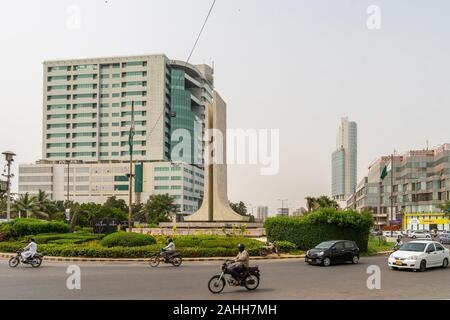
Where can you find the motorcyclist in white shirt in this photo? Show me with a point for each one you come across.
(30, 250)
(168, 250)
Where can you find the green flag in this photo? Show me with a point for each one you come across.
(385, 171)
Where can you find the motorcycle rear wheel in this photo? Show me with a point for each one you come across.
(154, 261)
(13, 262)
(36, 262)
(215, 285)
(251, 282)
(176, 262)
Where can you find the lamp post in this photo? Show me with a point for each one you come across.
(130, 187)
(9, 156)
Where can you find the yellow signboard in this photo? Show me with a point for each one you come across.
(434, 221)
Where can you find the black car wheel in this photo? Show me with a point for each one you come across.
(423, 266)
(445, 263)
(355, 259)
(327, 262)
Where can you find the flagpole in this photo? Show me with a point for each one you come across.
(130, 188)
(392, 187)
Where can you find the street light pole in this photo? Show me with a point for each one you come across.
(130, 142)
(9, 156)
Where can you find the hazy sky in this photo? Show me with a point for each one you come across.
(298, 66)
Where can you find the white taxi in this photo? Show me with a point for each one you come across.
(419, 255)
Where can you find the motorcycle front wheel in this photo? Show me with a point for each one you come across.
(251, 282)
(176, 262)
(14, 262)
(154, 261)
(215, 285)
(36, 262)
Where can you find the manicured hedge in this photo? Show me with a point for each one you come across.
(95, 250)
(127, 239)
(24, 227)
(323, 225)
(206, 241)
(65, 238)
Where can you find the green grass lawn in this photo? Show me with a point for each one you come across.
(376, 246)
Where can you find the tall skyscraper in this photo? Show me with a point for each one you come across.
(344, 161)
(87, 108)
(86, 127)
(262, 213)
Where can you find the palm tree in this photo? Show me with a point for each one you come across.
(27, 203)
(325, 202)
(43, 202)
(321, 202)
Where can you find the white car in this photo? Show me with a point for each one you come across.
(420, 234)
(419, 255)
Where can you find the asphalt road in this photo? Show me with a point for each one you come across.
(281, 279)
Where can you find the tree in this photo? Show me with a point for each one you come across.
(43, 202)
(322, 202)
(241, 208)
(158, 208)
(28, 204)
(113, 202)
(445, 207)
(137, 212)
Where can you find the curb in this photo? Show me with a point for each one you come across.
(80, 259)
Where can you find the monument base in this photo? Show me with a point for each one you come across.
(246, 229)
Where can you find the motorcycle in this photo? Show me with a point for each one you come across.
(249, 279)
(269, 248)
(175, 259)
(35, 262)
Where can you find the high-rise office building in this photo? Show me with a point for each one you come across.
(87, 106)
(262, 213)
(413, 190)
(344, 161)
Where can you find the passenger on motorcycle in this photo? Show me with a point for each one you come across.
(241, 262)
(30, 250)
(168, 250)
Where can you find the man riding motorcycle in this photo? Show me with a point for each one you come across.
(241, 263)
(168, 250)
(398, 243)
(30, 250)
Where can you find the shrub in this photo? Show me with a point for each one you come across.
(64, 238)
(79, 229)
(6, 231)
(23, 227)
(285, 246)
(323, 225)
(127, 239)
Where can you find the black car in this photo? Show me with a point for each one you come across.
(335, 251)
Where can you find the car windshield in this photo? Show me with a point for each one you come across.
(417, 247)
(324, 245)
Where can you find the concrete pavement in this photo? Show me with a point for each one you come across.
(281, 279)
